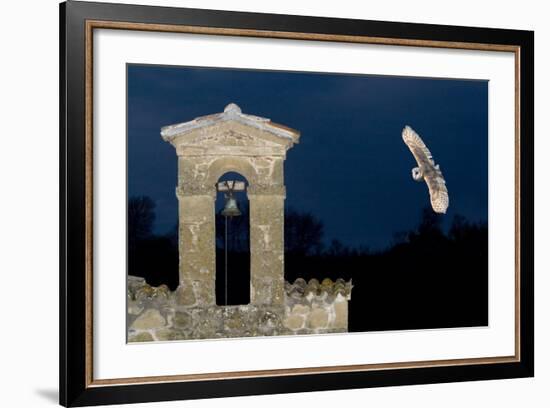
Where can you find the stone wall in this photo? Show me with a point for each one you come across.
(155, 314)
(313, 307)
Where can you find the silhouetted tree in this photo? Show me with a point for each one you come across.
(399, 238)
(364, 250)
(153, 257)
(141, 216)
(462, 230)
(337, 248)
(430, 223)
(303, 233)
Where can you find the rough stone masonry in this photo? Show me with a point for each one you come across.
(208, 147)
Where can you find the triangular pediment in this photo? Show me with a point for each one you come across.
(229, 137)
(230, 128)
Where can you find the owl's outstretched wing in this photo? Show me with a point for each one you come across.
(417, 147)
(439, 195)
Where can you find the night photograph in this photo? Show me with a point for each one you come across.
(279, 203)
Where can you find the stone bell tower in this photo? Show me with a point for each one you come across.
(207, 147)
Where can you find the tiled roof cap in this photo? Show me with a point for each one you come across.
(301, 288)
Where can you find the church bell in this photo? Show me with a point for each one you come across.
(231, 208)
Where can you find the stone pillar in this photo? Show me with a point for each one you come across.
(266, 245)
(197, 262)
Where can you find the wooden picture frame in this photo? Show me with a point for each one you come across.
(78, 387)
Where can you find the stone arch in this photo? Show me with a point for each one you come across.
(224, 165)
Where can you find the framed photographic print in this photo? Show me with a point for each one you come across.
(255, 203)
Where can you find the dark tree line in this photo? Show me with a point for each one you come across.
(154, 257)
(427, 278)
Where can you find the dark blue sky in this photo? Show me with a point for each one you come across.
(351, 168)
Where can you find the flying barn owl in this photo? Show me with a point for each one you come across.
(427, 170)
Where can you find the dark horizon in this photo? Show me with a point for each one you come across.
(351, 168)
